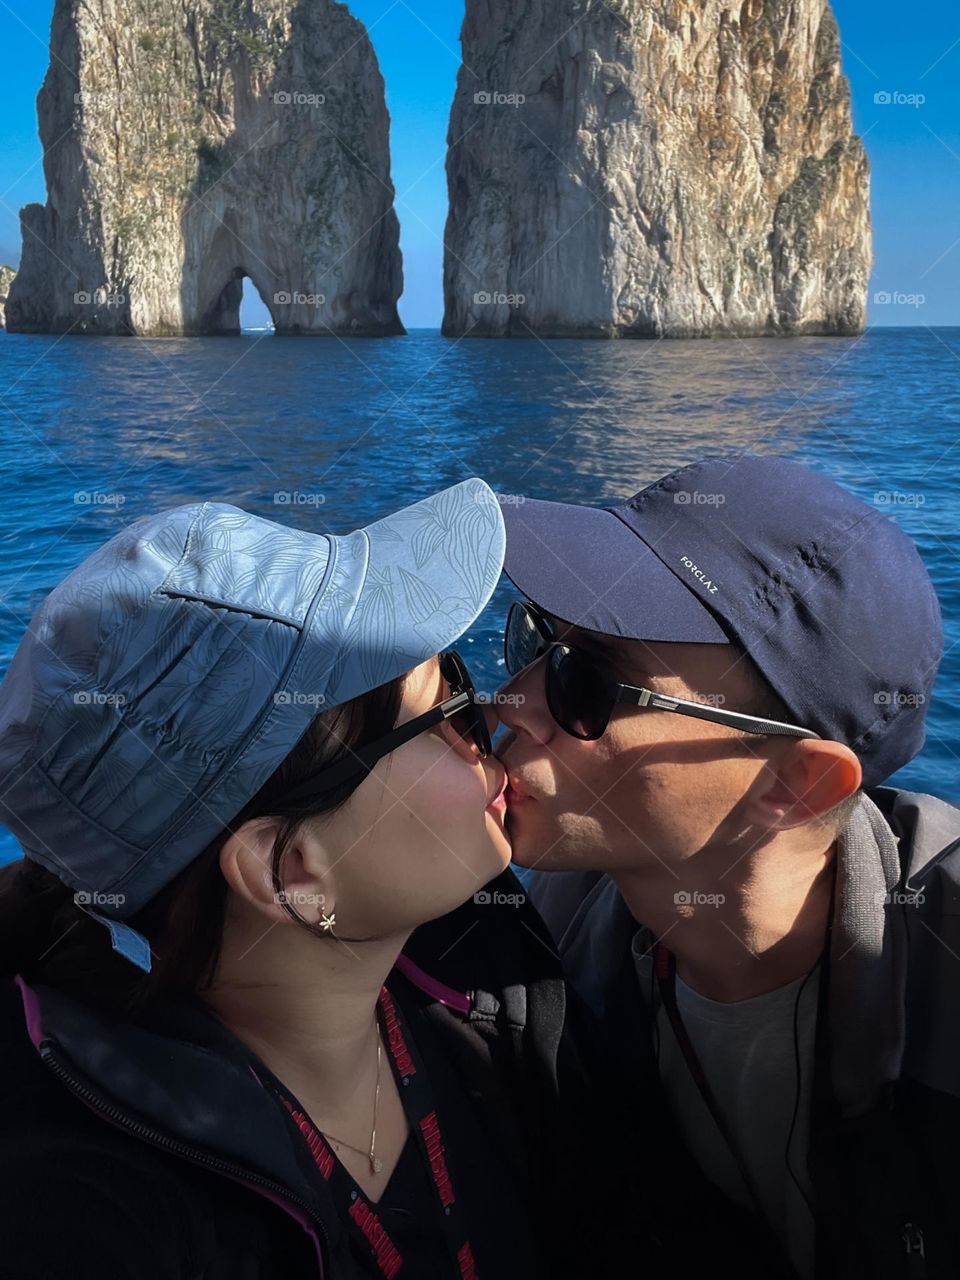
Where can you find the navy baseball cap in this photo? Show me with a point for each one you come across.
(161, 682)
(829, 598)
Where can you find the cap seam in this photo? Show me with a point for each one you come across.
(723, 623)
(780, 589)
(216, 602)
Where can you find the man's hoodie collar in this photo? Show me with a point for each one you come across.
(868, 962)
(890, 840)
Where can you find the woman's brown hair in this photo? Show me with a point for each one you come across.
(47, 937)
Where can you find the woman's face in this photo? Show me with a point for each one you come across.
(421, 834)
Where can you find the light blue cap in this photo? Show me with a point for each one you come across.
(161, 682)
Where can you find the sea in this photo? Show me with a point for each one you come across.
(329, 433)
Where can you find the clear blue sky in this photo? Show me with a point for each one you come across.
(914, 150)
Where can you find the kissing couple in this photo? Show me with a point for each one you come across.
(276, 1002)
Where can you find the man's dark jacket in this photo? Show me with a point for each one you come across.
(885, 1138)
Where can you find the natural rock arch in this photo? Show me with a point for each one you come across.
(187, 141)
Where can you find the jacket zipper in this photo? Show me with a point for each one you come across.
(912, 1237)
(181, 1148)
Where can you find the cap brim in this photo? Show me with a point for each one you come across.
(585, 566)
(431, 570)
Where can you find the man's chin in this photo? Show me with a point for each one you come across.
(540, 845)
(540, 855)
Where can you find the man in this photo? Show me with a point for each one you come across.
(709, 683)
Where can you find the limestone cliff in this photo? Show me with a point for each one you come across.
(654, 167)
(6, 277)
(190, 143)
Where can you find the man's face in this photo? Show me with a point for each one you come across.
(655, 785)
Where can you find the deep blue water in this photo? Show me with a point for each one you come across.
(374, 424)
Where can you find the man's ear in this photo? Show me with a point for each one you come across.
(246, 859)
(802, 783)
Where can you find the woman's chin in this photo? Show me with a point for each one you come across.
(499, 839)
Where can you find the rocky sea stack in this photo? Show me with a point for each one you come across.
(654, 167)
(6, 279)
(190, 143)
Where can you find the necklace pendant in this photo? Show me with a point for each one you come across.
(375, 1164)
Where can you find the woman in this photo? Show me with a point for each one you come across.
(330, 1036)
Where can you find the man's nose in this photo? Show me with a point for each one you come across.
(521, 703)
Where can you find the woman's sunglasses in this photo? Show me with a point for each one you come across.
(581, 694)
(460, 710)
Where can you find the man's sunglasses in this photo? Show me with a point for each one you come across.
(461, 710)
(581, 694)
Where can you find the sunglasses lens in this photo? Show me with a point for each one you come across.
(579, 696)
(469, 723)
(523, 643)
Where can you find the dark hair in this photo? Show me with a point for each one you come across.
(47, 937)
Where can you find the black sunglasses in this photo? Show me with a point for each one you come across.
(581, 695)
(460, 709)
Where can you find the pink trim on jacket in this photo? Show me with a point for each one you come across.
(31, 1008)
(457, 1000)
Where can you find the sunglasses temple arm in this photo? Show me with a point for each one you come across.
(363, 760)
(732, 719)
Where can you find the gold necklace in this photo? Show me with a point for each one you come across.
(375, 1164)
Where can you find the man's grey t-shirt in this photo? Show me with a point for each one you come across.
(747, 1052)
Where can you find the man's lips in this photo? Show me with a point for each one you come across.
(515, 793)
(499, 801)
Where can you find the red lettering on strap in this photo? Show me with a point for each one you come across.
(398, 1047)
(385, 1251)
(438, 1165)
(323, 1157)
(468, 1268)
